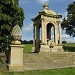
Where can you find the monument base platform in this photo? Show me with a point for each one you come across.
(46, 48)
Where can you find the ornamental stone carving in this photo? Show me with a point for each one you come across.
(16, 35)
(45, 20)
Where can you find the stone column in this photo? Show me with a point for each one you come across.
(33, 48)
(60, 40)
(34, 35)
(43, 32)
(37, 39)
(55, 35)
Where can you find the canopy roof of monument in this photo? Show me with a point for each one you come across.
(47, 12)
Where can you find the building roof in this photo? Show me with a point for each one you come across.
(48, 12)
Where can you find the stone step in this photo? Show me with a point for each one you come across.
(37, 56)
(34, 61)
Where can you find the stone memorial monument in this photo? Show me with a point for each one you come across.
(16, 52)
(46, 19)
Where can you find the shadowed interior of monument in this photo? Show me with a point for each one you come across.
(49, 31)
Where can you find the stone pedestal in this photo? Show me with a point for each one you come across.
(16, 58)
(46, 48)
(33, 49)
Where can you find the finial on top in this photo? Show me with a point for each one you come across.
(45, 5)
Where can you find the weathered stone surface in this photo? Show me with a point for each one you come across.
(16, 35)
(52, 60)
(46, 19)
(16, 58)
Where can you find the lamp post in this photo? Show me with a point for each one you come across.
(7, 48)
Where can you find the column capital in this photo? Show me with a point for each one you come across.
(59, 22)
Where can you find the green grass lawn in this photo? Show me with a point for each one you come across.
(69, 44)
(28, 48)
(65, 71)
(69, 47)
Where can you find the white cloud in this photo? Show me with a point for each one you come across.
(28, 28)
(68, 38)
(64, 15)
(42, 1)
(65, 36)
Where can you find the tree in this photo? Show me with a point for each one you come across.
(10, 15)
(69, 23)
(31, 42)
(64, 42)
(25, 42)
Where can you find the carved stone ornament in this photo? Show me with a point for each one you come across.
(16, 35)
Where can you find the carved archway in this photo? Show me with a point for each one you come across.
(49, 27)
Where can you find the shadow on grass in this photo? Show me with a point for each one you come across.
(70, 49)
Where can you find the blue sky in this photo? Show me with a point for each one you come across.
(32, 7)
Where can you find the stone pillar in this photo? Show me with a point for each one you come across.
(16, 58)
(43, 32)
(37, 39)
(33, 48)
(55, 35)
(16, 51)
(60, 40)
(34, 35)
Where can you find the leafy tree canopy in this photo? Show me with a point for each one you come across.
(69, 23)
(10, 15)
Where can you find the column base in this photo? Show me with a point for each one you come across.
(33, 49)
(46, 48)
(16, 68)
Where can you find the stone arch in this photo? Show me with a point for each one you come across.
(48, 27)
